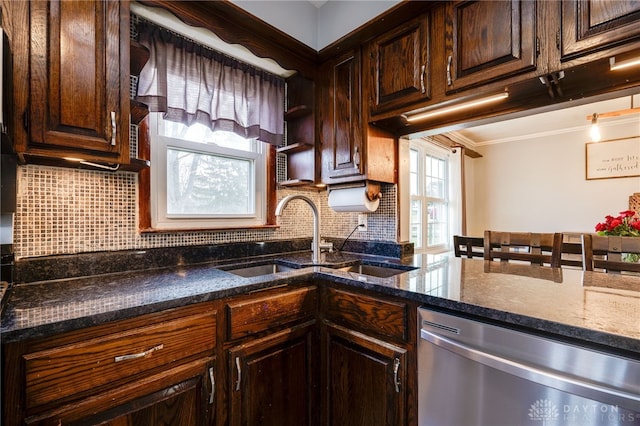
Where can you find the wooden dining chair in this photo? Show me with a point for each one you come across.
(571, 255)
(537, 248)
(605, 252)
(468, 246)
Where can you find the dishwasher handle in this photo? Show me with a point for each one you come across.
(533, 373)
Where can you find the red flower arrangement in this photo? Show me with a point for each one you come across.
(623, 225)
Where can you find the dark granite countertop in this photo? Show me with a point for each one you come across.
(593, 308)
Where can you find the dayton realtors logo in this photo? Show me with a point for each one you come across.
(547, 412)
(543, 410)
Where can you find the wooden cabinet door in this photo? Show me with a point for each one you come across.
(79, 80)
(271, 379)
(592, 25)
(400, 68)
(366, 380)
(341, 118)
(187, 399)
(189, 403)
(488, 40)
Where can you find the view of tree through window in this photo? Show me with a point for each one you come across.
(203, 184)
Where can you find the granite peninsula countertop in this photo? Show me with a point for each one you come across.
(594, 308)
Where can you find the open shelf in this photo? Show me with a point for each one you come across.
(139, 57)
(138, 111)
(297, 112)
(295, 147)
(300, 152)
(135, 165)
(297, 182)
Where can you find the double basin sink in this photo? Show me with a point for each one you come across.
(359, 268)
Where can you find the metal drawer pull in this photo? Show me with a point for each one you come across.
(213, 385)
(356, 157)
(113, 128)
(449, 80)
(139, 354)
(422, 73)
(239, 373)
(396, 367)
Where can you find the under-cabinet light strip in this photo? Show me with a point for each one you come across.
(457, 107)
(614, 66)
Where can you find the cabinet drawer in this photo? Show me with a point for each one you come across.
(84, 365)
(256, 314)
(368, 314)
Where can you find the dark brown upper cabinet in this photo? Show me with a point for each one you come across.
(590, 26)
(352, 150)
(79, 80)
(488, 40)
(400, 69)
(341, 117)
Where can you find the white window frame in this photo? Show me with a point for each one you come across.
(162, 221)
(424, 148)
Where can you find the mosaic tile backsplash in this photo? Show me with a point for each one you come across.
(67, 211)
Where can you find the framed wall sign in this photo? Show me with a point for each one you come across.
(613, 159)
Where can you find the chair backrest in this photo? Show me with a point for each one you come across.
(571, 254)
(607, 251)
(525, 270)
(537, 248)
(468, 246)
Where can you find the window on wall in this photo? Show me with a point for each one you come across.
(212, 126)
(205, 178)
(430, 197)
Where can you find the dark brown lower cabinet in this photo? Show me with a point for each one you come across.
(177, 405)
(153, 370)
(186, 403)
(271, 379)
(267, 361)
(365, 379)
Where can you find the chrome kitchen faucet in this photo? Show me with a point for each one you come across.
(315, 245)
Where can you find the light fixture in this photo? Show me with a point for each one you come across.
(455, 107)
(614, 66)
(89, 163)
(595, 130)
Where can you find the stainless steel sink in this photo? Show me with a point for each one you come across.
(375, 271)
(249, 271)
(258, 270)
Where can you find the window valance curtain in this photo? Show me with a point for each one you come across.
(191, 83)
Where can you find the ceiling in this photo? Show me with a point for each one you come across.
(569, 119)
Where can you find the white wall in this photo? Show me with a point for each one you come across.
(316, 27)
(337, 18)
(299, 19)
(539, 185)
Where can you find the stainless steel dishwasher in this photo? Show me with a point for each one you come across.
(473, 373)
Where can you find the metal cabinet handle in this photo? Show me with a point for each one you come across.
(139, 354)
(423, 70)
(449, 80)
(113, 128)
(213, 385)
(396, 367)
(239, 373)
(356, 157)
